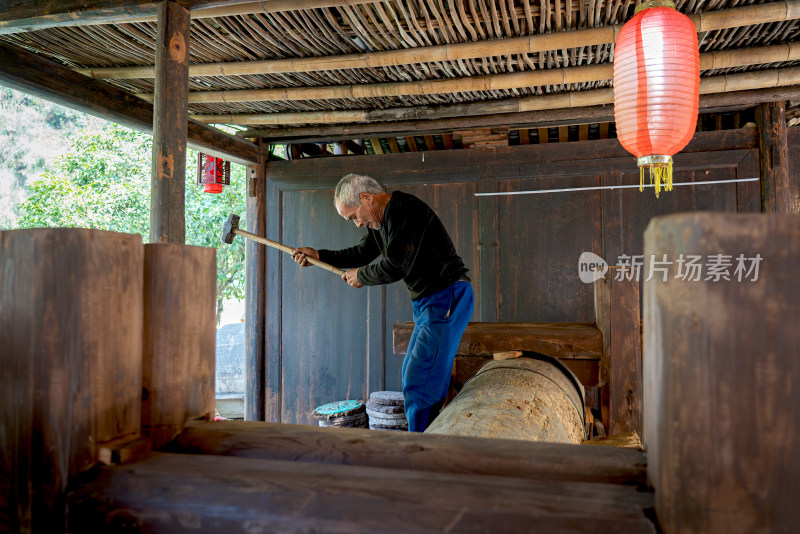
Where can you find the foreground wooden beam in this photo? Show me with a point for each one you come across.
(32, 74)
(170, 115)
(176, 492)
(408, 450)
(71, 360)
(721, 373)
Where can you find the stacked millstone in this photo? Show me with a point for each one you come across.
(386, 411)
(346, 413)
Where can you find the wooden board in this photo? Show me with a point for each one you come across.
(410, 450)
(722, 421)
(71, 336)
(178, 492)
(559, 340)
(180, 294)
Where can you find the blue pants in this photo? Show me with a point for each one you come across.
(439, 321)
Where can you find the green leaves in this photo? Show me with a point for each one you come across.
(103, 182)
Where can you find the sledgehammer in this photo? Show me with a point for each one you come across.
(231, 228)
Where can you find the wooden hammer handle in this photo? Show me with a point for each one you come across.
(288, 250)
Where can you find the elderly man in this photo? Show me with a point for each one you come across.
(415, 248)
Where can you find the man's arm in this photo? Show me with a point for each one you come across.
(404, 240)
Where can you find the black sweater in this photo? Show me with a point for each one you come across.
(415, 245)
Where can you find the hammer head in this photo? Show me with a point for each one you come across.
(228, 228)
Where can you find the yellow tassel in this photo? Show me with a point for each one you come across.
(658, 173)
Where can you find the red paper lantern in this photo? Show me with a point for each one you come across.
(213, 173)
(656, 87)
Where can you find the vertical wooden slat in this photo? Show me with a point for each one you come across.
(178, 368)
(775, 191)
(489, 249)
(272, 381)
(170, 116)
(255, 295)
(748, 194)
(617, 311)
(376, 342)
(70, 363)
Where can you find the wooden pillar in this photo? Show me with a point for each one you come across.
(170, 123)
(255, 295)
(70, 363)
(616, 304)
(721, 368)
(180, 290)
(776, 194)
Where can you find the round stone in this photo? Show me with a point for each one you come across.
(339, 409)
(385, 408)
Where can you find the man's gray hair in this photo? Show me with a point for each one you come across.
(352, 185)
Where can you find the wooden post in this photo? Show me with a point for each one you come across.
(616, 304)
(722, 421)
(170, 124)
(255, 295)
(776, 194)
(70, 363)
(179, 338)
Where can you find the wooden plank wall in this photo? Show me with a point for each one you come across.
(329, 342)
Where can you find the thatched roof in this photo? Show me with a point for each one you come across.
(315, 65)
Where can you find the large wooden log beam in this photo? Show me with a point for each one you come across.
(204, 493)
(409, 450)
(170, 114)
(34, 15)
(33, 74)
(722, 421)
(71, 310)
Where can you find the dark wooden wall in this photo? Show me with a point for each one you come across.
(327, 342)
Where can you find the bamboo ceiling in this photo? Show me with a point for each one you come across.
(269, 66)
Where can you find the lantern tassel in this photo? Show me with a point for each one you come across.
(659, 173)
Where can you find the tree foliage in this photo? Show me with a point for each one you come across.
(103, 182)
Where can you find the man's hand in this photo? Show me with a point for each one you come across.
(351, 277)
(300, 253)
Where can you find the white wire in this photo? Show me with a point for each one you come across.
(612, 187)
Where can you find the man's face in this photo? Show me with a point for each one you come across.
(366, 213)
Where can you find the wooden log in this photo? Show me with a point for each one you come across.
(179, 338)
(722, 422)
(168, 170)
(617, 310)
(71, 360)
(531, 398)
(33, 74)
(202, 493)
(559, 340)
(410, 450)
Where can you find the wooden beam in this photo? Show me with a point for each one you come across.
(431, 453)
(543, 118)
(41, 14)
(180, 293)
(170, 114)
(219, 494)
(71, 338)
(255, 295)
(776, 194)
(720, 369)
(740, 16)
(559, 340)
(33, 74)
